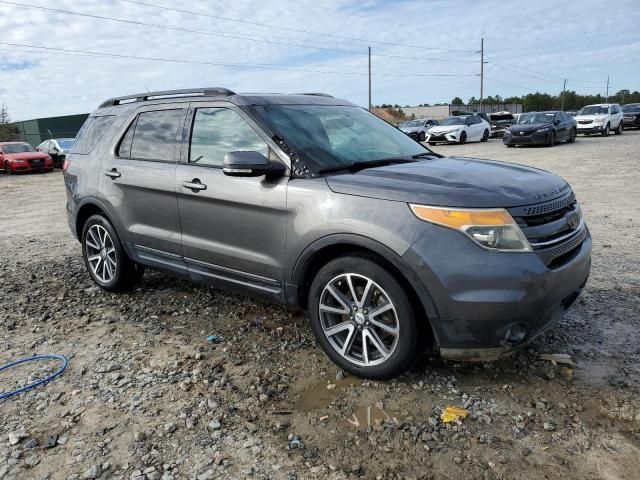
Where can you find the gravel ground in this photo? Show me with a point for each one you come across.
(147, 396)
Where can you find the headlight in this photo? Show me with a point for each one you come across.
(493, 228)
(543, 130)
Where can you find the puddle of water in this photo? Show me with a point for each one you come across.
(319, 396)
(367, 416)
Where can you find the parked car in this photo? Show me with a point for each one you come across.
(417, 129)
(500, 121)
(571, 113)
(21, 157)
(57, 149)
(631, 113)
(459, 129)
(600, 119)
(541, 128)
(390, 247)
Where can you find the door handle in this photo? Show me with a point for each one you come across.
(113, 173)
(195, 185)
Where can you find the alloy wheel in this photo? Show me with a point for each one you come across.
(101, 253)
(359, 319)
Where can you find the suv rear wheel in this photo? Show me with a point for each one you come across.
(105, 259)
(362, 317)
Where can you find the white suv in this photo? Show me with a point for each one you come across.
(600, 119)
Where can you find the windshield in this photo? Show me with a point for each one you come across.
(415, 123)
(329, 136)
(529, 118)
(631, 107)
(18, 148)
(594, 110)
(454, 121)
(65, 143)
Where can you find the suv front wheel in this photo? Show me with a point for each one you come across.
(363, 318)
(105, 259)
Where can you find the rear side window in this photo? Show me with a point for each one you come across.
(152, 136)
(91, 132)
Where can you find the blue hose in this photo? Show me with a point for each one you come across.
(37, 383)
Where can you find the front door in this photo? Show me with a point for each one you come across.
(138, 179)
(233, 228)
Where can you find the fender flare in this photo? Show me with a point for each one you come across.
(299, 269)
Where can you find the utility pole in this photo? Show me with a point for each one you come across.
(607, 88)
(564, 87)
(481, 71)
(370, 106)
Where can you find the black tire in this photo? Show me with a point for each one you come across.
(485, 136)
(510, 145)
(364, 268)
(572, 136)
(605, 132)
(618, 130)
(463, 138)
(126, 273)
(421, 136)
(7, 169)
(432, 143)
(552, 139)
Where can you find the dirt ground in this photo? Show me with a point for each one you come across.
(147, 396)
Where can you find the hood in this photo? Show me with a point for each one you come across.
(410, 129)
(590, 117)
(501, 116)
(528, 127)
(454, 182)
(438, 129)
(25, 155)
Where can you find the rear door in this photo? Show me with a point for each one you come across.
(561, 126)
(233, 228)
(138, 182)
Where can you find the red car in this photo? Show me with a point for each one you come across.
(20, 157)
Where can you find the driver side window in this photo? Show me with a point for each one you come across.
(218, 131)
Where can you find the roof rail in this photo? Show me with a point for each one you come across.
(190, 92)
(315, 94)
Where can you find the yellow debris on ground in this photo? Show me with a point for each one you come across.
(452, 414)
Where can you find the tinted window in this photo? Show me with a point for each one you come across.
(155, 135)
(124, 149)
(614, 109)
(218, 131)
(91, 132)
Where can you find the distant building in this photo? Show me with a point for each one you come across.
(38, 130)
(442, 111)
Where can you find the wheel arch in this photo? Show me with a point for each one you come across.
(330, 247)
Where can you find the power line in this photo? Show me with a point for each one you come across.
(556, 77)
(233, 65)
(310, 32)
(220, 34)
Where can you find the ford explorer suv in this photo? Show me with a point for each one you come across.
(315, 203)
(600, 119)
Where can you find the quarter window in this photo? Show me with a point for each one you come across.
(218, 131)
(91, 132)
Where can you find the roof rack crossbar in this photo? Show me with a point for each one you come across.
(190, 92)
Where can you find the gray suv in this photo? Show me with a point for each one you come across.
(315, 203)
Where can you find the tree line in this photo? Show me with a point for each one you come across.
(543, 101)
(8, 131)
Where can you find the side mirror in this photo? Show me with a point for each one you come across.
(249, 164)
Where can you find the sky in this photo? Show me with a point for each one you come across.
(422, 51)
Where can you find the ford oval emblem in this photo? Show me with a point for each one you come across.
(573, 220)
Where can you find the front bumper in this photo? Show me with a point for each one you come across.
(631, 122)
(589, 128)
(449, 137)
(483, 298)
(21, 168)
(510, 138)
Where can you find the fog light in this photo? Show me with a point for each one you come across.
(516, 333)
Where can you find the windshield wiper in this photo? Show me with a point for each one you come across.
(357, 166)
(426, 155)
